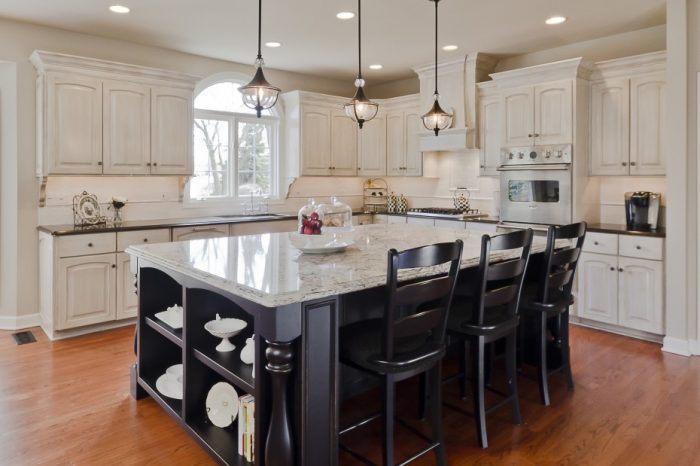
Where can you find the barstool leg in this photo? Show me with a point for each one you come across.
(542, 366)
(479, 378)
(422, 395)
(388, 420)
(511, 363)
(565, 350)
(435, 387)
(464, 369)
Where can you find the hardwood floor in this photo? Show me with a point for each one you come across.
(68, 402)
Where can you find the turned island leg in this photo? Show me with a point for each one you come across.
(279, 447)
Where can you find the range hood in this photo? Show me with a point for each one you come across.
(458, 94)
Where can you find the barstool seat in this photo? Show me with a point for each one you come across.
(495, 321)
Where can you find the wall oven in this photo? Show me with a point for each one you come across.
(536, 185)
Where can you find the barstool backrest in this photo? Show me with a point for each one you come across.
(427, 300)
(559, 268)
(499, 283)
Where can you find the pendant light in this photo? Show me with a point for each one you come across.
(436, 119)
(360, 109)
(259, 94)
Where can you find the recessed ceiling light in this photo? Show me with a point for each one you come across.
(376, 67)
(450, 48)
(345, 15)
(273, 45)
(555, 20)
(119, 9)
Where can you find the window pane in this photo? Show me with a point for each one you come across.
(254, 158)
(223, 97)
(211, 159)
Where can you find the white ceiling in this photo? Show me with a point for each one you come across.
(396, 33)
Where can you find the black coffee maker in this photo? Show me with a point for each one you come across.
(642, 210)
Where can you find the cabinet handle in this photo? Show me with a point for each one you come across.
(624, 164)
(99, 163)
(529, 135)
(148, 164)
(145, 240)
(639, 248)
(482, 166)
(537, 135)
(155, 164)
(632, 164)
(620, 269)
(595, 243)
(89, 245)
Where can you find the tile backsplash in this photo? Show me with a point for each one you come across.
(612, 196)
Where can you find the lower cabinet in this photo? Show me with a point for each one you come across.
(201, 232)
(257, 228)
(86, 289)
(620, 290)
(127, 300)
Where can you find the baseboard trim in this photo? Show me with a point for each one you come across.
(677, 346)
(694, 347)
(19, 322)
(627, 332)
(79, 331)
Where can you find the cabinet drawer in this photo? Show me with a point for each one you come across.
(129, 238)
(642, 247)
(83, 245)
(600, 243)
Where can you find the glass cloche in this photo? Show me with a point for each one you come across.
(309, 219)
(336, 216)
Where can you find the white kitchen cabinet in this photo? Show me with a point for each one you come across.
(414, 157)
(315, 140)
(395, 155)
(200, 232)
(648, 125)
(127, 300)
(72, 110)
(554, 113)
(256, 228)
(86, 290)
(343, 161)
(610, 127)
(371, 154)
(403, 155)
(171, 131)
(489, 134)
(598, 287)
(641, 294)
(518, 116)
(622, 283)
(127, 128)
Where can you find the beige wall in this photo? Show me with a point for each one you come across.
(394, 88)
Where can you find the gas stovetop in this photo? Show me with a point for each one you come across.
(443, 212)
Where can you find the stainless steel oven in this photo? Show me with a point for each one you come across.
(536, 185)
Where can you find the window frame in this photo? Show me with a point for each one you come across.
(233, 119)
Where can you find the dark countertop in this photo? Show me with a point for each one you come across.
(622, 230)
(64, 230)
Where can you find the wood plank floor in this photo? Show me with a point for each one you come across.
(68, 402)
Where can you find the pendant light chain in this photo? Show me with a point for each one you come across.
(360, 109)
(359, 39)
(259, 29)
(436, 119)
(436, 47)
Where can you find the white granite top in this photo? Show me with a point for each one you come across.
(267, 269)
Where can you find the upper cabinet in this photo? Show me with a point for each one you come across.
(404, 157)
(97, 117)
(371, 154)
(518, 116)
(343, 144)
(628, 116)
(489, 130)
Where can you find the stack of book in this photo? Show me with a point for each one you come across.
(246, 427)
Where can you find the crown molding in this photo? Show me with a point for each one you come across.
(624, 67)
(563, 69)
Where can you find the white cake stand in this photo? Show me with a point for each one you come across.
(225, 328)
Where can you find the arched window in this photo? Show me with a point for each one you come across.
(235, 153)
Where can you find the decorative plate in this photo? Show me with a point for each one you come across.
(87, 208)
(169, 386)
(319, 244)
(222, 404)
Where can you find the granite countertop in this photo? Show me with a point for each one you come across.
(623, 230)
(64, 230)
(267, 269)
(483, 219)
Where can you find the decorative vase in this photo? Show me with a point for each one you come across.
(401, 205)
(117, 215)
(391, 203)
(461, 199)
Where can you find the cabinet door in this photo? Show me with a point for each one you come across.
(641, 294)
(127, 301)
(648, 125)
(86, 290)
(610, 127)
(74, 125)
(597, 287)
(395, 140)
(518, 116)
(202, 232)
(172, 127)
(343, 144)
(127, 128)
(414, 157)
(554, 113)
(371, 156)
(489, 135)
(315, 141)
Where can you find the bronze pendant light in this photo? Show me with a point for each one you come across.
(360, 109)
(436, 119)
(259, 94)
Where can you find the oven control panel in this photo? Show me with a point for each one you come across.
(536, 155)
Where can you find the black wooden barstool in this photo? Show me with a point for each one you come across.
(488, 314)
(409, 339)
(547, 301)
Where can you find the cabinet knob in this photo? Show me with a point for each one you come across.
(624, 164)
(529, 135)
(595, 243)
(612, 269)
(620, 269)
(482, 166)
(114, 266)
(537, 135)
(99, 163)
(632, 164)
(639, 248)
(155, 164)
(148, 164)
(89, 245)
(145, 240)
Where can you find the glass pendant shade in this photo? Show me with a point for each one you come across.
(360, 109)
(437, 119)
(259, 94)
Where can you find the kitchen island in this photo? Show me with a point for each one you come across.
(294, 304)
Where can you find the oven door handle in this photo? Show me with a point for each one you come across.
(549, 166)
